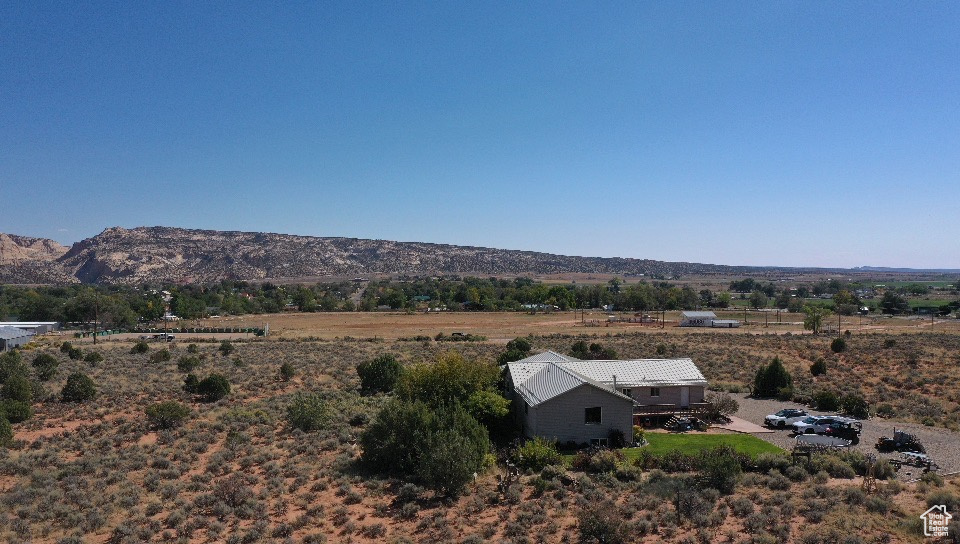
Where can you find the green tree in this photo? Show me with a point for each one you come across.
(450, 380)
(723, 300)
(455, 450)
(518, 348)
(46, 366)
(287, 371)
(893, 303)
(394, 442)
(819, 367)
(379, 374)
(307, 412)
(758, 299)
(839, 345)
(17, 387)
(166, 415)
(213, 388)
(770, 379)
(6, 432)
(79, 388)
(814, 316)
(226, 348)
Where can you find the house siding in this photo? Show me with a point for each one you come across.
(562, 418)
(668, 394)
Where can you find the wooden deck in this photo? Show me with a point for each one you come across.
(649, 411)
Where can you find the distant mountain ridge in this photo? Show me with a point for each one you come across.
(167, 254)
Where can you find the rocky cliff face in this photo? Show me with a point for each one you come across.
(31, 260)
(164, 254)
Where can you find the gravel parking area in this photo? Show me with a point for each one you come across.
(941, 444)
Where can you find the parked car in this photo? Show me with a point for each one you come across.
(846, 429)
(785, 417)
(819, 424)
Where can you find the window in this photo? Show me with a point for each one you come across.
(599, 442)
(627, 392)
(654, 391)
(591, 416)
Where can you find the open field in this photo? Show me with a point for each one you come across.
(236, 472)
(502, 326)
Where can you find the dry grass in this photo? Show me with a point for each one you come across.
(237, 473)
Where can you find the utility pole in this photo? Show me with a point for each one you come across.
(839, 333)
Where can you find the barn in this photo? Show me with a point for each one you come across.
(697, 319)
(12, 338)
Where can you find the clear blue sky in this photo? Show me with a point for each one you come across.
(761, 133)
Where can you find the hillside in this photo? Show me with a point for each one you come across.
(159, 254)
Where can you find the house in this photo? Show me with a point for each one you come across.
(570, 400)
(35, 327)
(12, 338)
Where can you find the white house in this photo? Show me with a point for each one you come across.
(567, 399)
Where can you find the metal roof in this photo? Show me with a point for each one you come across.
(547, 357)
(641, 372)
(546, 375)
(10, 333)
(699, 314)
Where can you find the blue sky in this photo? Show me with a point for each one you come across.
(757, 133)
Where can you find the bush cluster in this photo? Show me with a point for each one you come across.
(212, 388)
(307, 412)
(79, 388)
(167, 415)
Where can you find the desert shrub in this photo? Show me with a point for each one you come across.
(819, 367)
(455, 450)
(307, 412)
(79, 388)
(721, 404)
(11, 365)
(65, 347)
(536, 454)
(878, 504)
(213, 388)
(190, 383)
(15, 411)
(605, 460)
(518, 348)
(226, 348)
(889, 343)
(839, 345)
(161, 356)
(93, 357)
(17, 387)
(441, 448)
(886, 410)
(601, 522)
(946, 498)
(765, 462)
(785, 393)
(828, 401)
(720, 468)
(581, 350)
(75, 354)
(45, 366)
(286, 372)
(855, 405)
(167, 415)
(188, 364)
(193, 348)
(140, 347)
(771, 378)
(6, 432)
(379, 374)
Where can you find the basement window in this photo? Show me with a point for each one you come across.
(599, 442)
(591, 416)
(654, 391)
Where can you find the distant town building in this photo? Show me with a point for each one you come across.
(12, 337)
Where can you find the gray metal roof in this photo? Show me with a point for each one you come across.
(10, 333)
(710, 315)
(547, 357)
(546, 375)
(641, 372)
(540, 382)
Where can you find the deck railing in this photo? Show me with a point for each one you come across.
(693, 409)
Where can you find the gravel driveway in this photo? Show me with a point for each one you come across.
(941, 444)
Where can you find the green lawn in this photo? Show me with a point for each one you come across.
(661, 443)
